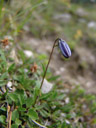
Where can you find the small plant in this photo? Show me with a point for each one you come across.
(22, 105)
(65, 50)
(20, 87)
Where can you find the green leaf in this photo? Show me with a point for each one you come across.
(21, 109)
(21, 96)
(13, 97)
(32, 114)
(54, 95)
(2, 83)
(38, 83)
(2, 79)
(18, 122)
(2, 119)
(64, 125)
(44, 113)
(22, 55)
(15, 115)
(42, 57)
(14, 126)
(29, 101)
(25, 81)
(61, 97)
(45, 96)
(3, 109)
(36, 93)
(1, 6)
(2, 56)
(11, 68)
(53, 78)
(67, 108)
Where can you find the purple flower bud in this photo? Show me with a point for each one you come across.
(64, 48)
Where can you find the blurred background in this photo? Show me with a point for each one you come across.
(36, 24)
(28, 29)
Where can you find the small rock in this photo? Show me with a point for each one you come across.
(53, 107)
(9, 37)
(89, 84)
(20, 62)
(67, 100)
(14, 56)
(93, 1)
(67, 122)
(92, 24)
(48, 123)
(28, 53)
(84, 106)
(26, 70)
(66, 90)
(66, 17)
(26, 28)
(81, 12)
(7, 47)
(46, 87)
(9, 84)
(63, 115)
(81, 20)
(62, 69)
(58, 72)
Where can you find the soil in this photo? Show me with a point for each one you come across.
(80, 69)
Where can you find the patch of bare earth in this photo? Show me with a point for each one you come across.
(80, 69)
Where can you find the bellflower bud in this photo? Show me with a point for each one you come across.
(64, 48)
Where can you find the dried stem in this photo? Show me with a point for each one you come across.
(54, 45)
(49, 61)
(9, 115)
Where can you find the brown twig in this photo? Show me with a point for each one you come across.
(49, 61)
(9, 110)
(47, 65)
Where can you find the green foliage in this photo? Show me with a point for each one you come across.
(51, 106)
(51, 109)
(32, 114)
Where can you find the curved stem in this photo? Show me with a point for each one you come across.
(47, 67)
(48, 62)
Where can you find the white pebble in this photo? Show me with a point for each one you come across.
(9, 84)
(46, 87)
(26, 70)
(67, 122)
(92, 24)
(67, 100)
(28, 53)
